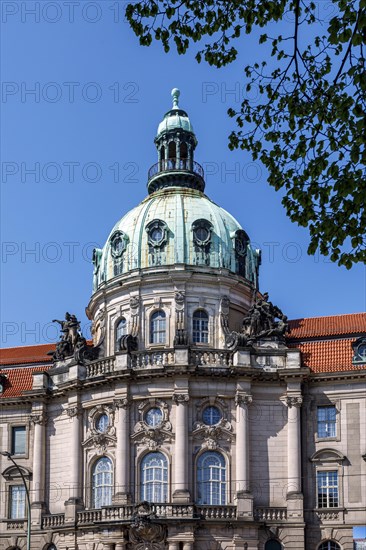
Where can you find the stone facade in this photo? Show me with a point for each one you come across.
(183, 438)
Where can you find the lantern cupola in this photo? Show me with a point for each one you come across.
(176, 142)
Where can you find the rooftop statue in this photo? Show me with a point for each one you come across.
(260, 322)
(72, 343)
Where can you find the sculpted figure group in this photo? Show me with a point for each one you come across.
(72, 343)
(260, 322)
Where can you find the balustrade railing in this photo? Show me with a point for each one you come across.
(173, 510)
(329, 515)
(211, 358)
(52, 521)
(100, 367)
(89, 516)
(270, 514)
(167, 165)
(127, 511)
(15, 525)
(216, 512)
(148, 359)
(113, 513)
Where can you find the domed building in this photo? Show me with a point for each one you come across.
(199, 418)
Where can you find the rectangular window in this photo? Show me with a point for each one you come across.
(327, 421)
(17, 502)
(327, 489)
(18, 440)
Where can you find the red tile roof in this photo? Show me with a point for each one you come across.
(24, 355)
(325, 342)
(19, 380)
(328, 355)
(317, 327)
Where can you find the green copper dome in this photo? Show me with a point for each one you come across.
(177, 224)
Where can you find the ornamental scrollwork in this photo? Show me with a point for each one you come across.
(181, 335)
(152, 436)
(101, 438)
(212, 436)
(144, 531)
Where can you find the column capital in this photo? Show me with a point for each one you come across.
(242, 399)
(38, 418)
(180, 398)
(121, 403)
(292, 401)
(74, 411)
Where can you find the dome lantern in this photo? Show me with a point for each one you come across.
(176, 143)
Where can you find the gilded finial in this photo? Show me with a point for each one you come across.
(175, 96)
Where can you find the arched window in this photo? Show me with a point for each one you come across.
(329, 545)
(121, 330)
(158, 328)
(102, 483)
(200, 327)
(154, 478)
(172, 150)
(51, 547)
(272, 545)
(211, 479)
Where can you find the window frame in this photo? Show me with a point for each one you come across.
(141, 490)
(150, 332)
(200, 330)
(328, 403)
(92, 485)
(327, 470)
(10, 488)
(320, 422)
(226, 483)
(12, 427)
(116, 338)
(329, 541)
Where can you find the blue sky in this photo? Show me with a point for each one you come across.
(75, 153)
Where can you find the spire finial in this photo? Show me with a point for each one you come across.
(175, 96)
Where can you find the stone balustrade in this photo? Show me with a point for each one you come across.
(89, 516)
(152, 359)
(100, 367)
(118, 512)
(329, 515)
(126, 512)
(52, 521)
(216, 512)
(16, 525)
(173, 510)
(270, 514)
(211, 358)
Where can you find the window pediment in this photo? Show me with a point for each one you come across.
(12, 473)
(327, 455)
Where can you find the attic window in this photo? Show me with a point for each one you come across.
(359, 351)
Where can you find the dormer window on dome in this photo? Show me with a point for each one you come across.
(202, 237)
(119, 241)
(157, 238)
